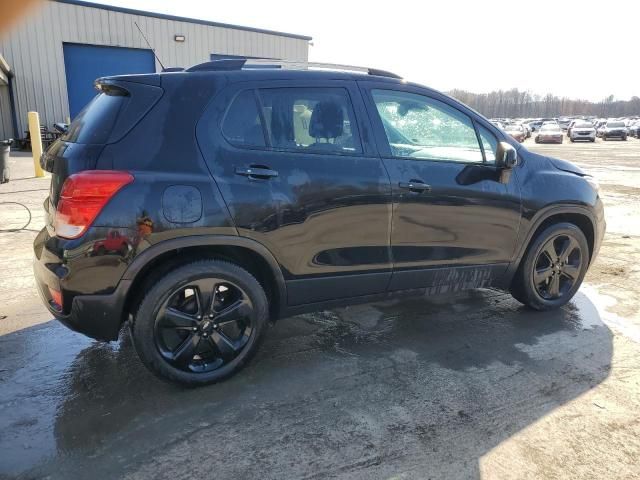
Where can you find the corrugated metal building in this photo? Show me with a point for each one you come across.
(6, 127)
(55, 54)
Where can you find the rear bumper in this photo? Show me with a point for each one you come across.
(98, 316)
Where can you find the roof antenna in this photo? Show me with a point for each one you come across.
(152, 49)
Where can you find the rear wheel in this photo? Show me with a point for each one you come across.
(553, 267)
(200, 323)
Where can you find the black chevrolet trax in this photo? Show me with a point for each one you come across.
(198, 205)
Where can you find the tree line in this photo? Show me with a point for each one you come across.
(519, 104)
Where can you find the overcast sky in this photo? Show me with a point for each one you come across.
(579, 49)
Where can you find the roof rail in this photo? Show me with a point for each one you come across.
(269, 63)
(218, 65)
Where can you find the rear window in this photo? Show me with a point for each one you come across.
(95, 122)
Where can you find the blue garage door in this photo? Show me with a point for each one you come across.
(84, 63)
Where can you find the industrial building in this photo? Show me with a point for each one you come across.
(49, 61)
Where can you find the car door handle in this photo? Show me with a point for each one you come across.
(256, 172)
(416, 186)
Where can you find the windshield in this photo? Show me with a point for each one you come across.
(514, 128)
(615, 125)
(582, 125)
(549, 127)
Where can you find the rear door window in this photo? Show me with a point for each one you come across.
(313, 120)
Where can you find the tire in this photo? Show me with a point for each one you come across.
(592, 140)
(542, 296)
(624, 139)
(176, 338)
(537, 140)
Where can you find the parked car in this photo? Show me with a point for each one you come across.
(615, 129)
(563, 123)
(581, 130)
(238, 212)
(549, 133)
(634, 129)
(535, 125)
(516, 131)
(527, 129)
(571, 124)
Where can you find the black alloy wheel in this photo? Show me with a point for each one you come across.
(203, 325)
(553, 267)
(557, 267)
(201, 322)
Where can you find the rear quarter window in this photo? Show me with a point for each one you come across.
(95, 122)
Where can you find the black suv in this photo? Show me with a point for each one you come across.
(615, 129)
(201, 204)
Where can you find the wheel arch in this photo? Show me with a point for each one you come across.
(157, 260)
(580, 216)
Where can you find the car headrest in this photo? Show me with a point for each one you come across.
(327, 120)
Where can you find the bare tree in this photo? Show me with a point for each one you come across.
(515, 103)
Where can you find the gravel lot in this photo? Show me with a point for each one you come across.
(465, 386)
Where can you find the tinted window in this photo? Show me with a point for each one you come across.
(310, 119)
(489, 144)
(423, 128)
(96, 121)
(242, 125)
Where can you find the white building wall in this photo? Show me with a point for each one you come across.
(34, 49)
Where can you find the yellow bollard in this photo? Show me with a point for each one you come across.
(36, 142)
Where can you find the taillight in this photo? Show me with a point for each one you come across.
(83, 196)
(56, 299)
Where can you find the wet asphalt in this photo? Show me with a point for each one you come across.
(419, 387)
(470, 385)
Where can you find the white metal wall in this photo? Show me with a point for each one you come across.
(6, 129)
(34, 49)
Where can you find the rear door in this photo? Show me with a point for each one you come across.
(299, 172)
(455, 219)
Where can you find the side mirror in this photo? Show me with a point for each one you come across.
(507, 157)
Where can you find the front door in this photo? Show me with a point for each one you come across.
(455, 224)
(298, 169)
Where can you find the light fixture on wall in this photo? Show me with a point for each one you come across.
(179, 38)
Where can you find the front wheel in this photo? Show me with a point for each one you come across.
(200, 323)
(553, 268)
